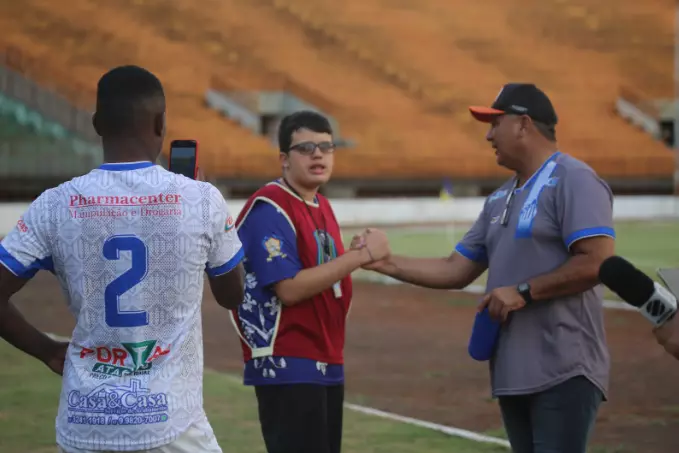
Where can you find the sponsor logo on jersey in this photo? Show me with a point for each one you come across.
(229, 224)
(111, 404)
(22, 226)
(129, 359)
(79, 201)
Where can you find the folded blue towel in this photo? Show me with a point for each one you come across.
(484, 336)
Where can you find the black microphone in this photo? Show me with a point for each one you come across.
(653, 300)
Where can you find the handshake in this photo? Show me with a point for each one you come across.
(374, 246)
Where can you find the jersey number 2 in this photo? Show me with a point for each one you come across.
(133, 276)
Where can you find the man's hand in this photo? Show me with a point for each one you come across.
(502, 301)
(57, 357)
(667, 336)
(375, 245)
(358, 241)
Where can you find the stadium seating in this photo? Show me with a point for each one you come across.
(32, 149)
(46, 34)
(457, 53)
(397, 78)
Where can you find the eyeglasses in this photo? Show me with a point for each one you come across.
(308, 148)
(504, 219)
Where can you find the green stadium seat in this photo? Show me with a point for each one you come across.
(34, 147)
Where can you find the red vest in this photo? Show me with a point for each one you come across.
(314, 328)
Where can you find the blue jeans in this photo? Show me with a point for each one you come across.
(557, 420)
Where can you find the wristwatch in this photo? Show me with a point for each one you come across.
(524, 290)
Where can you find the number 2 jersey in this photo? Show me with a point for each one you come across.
(130, 244)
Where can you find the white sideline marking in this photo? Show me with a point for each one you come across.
(449, 430)
(56, 337)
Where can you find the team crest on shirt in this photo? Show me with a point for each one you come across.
(273, 246)
(552, 182)
(498, 195)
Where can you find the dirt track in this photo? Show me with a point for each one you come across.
(406, 353)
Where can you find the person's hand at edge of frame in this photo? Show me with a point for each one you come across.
(667, 336)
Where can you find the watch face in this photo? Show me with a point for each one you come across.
(523, 287)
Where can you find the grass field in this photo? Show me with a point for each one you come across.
(648, 245)
(29, 396)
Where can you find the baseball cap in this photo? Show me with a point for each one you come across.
(518, 99)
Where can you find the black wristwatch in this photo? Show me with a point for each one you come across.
(524, 290)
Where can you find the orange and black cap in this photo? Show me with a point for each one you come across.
(518, 99)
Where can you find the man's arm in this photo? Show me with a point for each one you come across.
(228, 288)
(13, 326)
(580, 273)
(270, 244)
(453, 272)
(460, 269)
(224, 267)
(23, 253)
(311, 281)
(585, 213)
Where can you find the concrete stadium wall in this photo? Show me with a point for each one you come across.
(422, 211)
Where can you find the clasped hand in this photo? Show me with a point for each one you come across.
(502, 301)
(375, 245)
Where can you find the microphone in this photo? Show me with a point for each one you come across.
(654, 301)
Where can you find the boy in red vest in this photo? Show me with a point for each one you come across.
(297, 294)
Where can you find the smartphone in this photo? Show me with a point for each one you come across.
(184, 158)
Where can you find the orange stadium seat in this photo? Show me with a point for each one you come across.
(397, 79)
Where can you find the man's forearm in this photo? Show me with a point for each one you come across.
(435, 273)
(22, 335)
(309, 282)
(580, 273)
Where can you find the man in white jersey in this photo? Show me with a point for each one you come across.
(129, 243)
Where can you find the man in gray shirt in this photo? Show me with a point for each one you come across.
(542, 237)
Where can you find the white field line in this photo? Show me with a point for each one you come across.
(449, 430)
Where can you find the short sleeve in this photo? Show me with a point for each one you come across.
(473, 244)
(584, 206)
(226, 250)
(270, 244)
(27, 248)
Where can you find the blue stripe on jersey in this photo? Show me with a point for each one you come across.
(588, 233)
(478, 256)
(123, 166)
(226, 267)
(18, 269)
(291, 370)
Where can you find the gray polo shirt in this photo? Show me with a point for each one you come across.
(551, 341)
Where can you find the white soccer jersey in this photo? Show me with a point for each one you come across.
(129, 244)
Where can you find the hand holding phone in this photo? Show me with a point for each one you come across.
(184, 158)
